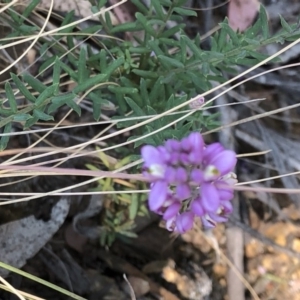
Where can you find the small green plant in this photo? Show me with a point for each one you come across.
(148, 75)
(120, 208)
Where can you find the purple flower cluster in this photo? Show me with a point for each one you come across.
(188, 180)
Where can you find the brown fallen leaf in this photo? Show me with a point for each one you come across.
(241, 13)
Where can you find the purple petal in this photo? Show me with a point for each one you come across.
(211, 151)
(184, 222)
(196, 156)
(186, 144)
(170, 175)
(224, 194)
(172, 211)
(165, 154)
(196, 140)
(197, 208)
(197, 176)
(183, 191)
(170, 199)
(210, 197)
(173, 145)
(207, 222)
(218, 218)
(158, 195)
(174, 159)
(184, 158)
(151, 155)
(227, 207)
(224, 161)
(170, 224)
(181, 175)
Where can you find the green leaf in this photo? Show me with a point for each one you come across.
(148, 140)
(176, 18)
(72, 104)
(97, 108)
(155, 47)
(139, 50)
(169, 79)
(171, 103)
(101, 3)
(184, 130)
(144, 92)
(252, 41)
(158, 9)
(140, 6)
(172, 31)
(21, 117)
(141, 18)
(87, 84)
(252, 32)
(15, 17)
(183, 51)
(145, 74)
(133, 207)
(122, 90)
(26, 29)
(6, 112)
(56, 75)
(157, 91)
(46, 64)
(198, 80)
(29, 8)
(285, 25)
(264, 21)
(247, 61)
(167, 3)
(24, 91)
(205, 68)
(11, 97)
(4, 139)
(69, 18)
(82, 69)
(169, 42)
(214, 44)
(102, 59)
(30, 122)
(185, 12)
(108, 21)
(233, 35)
(222, 37)
(258, 56)
(97, 103)
(128, 234)
(69, 71)
(89, 31)
(153, 112)
(114, 65)
(59, 101)
(137, 110)
(46, 94)
(194, 48)
(170, 62)
(129, 26)
(42, 116)
(34, 83)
